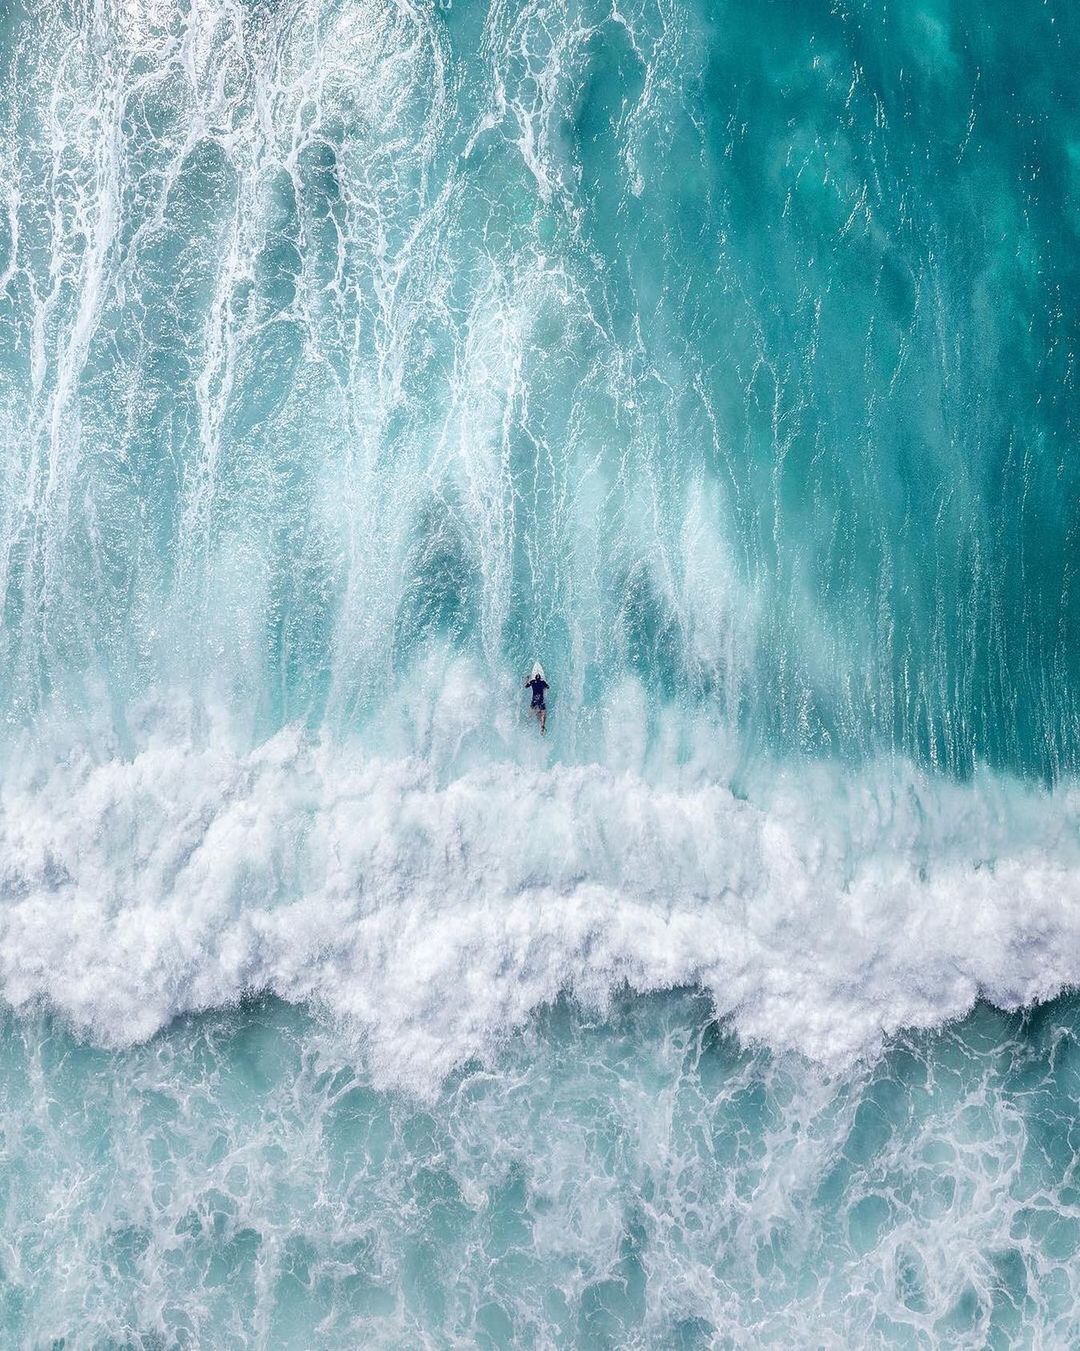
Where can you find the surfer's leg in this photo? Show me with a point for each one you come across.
(543, 722)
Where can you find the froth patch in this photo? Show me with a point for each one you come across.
(434, 917)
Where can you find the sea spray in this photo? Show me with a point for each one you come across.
(435, 916)
(352, 357)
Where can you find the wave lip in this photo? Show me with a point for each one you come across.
(435, 917)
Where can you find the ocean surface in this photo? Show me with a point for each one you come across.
(354, 354)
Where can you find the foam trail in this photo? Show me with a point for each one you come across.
(337, 333)
(640, 1179)
(356, 355)
(434, 916)
(721, 356)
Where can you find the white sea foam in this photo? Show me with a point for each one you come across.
(433, 914)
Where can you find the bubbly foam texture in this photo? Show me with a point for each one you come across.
(434, 912)
(352, 356)
(638, 1181)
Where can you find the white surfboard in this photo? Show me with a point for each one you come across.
(537, 670)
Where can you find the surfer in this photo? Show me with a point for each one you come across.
(538, 685)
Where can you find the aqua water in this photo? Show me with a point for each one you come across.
(639, 1179)
(723, 357)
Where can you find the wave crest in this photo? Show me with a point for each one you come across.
(435, 916)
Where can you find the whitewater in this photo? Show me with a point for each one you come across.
(436, 918)
(355, 355)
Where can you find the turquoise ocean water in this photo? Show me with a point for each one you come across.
(722, 356)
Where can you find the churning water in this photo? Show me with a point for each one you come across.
(723, 356)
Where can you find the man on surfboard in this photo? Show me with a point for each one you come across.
(538, 685)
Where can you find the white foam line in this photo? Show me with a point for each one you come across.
(436, 918)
